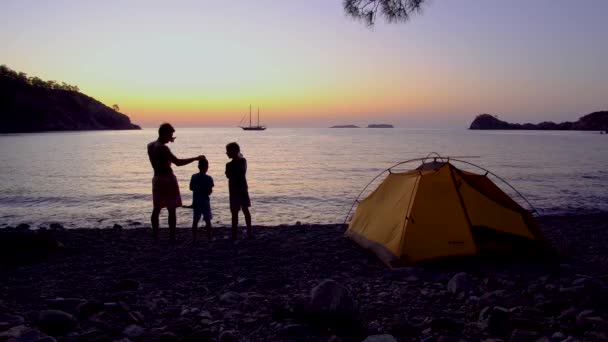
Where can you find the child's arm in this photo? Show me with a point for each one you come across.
(192, 183)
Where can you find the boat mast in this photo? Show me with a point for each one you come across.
(258, 116)
(249, 115)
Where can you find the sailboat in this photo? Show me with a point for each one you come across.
(253, 128)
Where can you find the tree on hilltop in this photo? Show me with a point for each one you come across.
(35, 81)
(392, 10)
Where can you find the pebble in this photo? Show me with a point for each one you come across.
(380, 338)
(461, 282)
(55, 322)
(8, 321)
(133, 331)
(56, 225)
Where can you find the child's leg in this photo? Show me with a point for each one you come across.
(195, 219)
(235, 222)
(209, 228)
(248, 221)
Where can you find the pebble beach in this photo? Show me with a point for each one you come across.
(293, 283)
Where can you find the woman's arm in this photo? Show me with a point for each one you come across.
(182, 162)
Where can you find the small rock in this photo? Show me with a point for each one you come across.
(205, 314)
(135, 317)
(89, 308)
(582, 318)
(126, 285)
(380, 338)
(8, 321)
(13, 332)
(298, 223)
(334, 338)
(231, 298)
(116, 226)
(66, 304)
(461, 282)
(332, 303)
(133, 331)
(56, 225)
(46, 339)
(496, 321)
(445, 324)
(22, 226)
(524, 336)
(228, 336)
(293, 332)
(92, 335)
(168, 336)
(55, 322)
(245, 282)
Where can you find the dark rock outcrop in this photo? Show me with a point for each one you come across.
(597, 121)
(32, 105)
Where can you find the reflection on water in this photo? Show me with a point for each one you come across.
(96, 179)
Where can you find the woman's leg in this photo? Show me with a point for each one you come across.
(172, 223)
(155, 224)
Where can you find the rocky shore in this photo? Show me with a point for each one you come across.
(293, 283)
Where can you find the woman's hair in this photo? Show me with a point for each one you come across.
(233, 147)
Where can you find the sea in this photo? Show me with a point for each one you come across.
(96, 179)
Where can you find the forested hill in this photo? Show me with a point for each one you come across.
(29, 104)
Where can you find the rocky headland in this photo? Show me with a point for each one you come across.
(293, 283)
(345, 126)
(597, 121)
(29, 104)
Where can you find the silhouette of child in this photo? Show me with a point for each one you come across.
(237, 187)
(201, 185)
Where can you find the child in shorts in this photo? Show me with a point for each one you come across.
(238, 189)
(201, 185)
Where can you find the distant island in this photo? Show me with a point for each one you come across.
(368, 126)
(29, 104)
(345, 126)
(597, 121)
(380, 126)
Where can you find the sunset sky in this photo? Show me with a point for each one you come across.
(305, 63)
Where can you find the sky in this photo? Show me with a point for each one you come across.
(306, 64)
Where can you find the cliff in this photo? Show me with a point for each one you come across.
(29, 104)
(597, 121)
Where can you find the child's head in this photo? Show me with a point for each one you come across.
(203, 165)
(232, 150)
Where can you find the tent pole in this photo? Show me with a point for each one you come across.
(460, 199)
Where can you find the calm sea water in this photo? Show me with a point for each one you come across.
(97, 179)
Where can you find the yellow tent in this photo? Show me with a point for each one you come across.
(440, 211)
